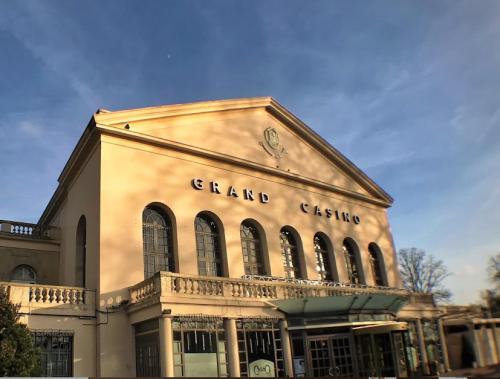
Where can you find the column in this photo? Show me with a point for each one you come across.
(444, 346)
(477, 345)
(166, 347)
(495, 341)
(424, 362)
(287, 351)
(232, 347)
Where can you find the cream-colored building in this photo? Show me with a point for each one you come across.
(221, 238)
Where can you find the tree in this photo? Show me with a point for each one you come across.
(18, 355)
(423, 273)
(494, 270)
(492, 296)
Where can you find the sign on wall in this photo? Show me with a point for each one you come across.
(250, 195)
(261, 368)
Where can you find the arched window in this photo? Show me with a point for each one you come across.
(290, 254)
(354, 273)
(81, 252)
(323, 266)
(251, 245)
(157, 242)
(24, 273)
(208, 246)
(376, 263)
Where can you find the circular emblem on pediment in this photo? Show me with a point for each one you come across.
(272, 138)
(272, 145)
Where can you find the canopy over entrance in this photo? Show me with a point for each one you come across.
(342, 304)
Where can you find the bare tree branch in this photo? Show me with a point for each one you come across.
(424, 273)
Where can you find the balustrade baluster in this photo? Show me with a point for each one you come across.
(80, 297)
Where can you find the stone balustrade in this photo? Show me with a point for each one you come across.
(28, 230)
(167, 284)
(48, 299)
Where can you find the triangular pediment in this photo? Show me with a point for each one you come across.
(259, 130)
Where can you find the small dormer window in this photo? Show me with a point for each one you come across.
(24, 273)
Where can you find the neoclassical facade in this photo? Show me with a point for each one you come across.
(220, 238)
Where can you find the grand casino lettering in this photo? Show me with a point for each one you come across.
(330, 213)
(248, 194)
(231, 191)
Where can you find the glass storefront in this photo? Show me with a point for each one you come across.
(199, 347)
(349, 354)
(259, 348)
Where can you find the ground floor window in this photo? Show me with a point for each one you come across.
(147, 347)
(259, 347)
(199, 347)
(56, 348)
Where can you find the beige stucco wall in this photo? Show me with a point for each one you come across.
(42, 255)
(135, 175)
(82, 198)
(84, 333)
(239, 133)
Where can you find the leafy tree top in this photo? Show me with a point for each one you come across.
(18, 356)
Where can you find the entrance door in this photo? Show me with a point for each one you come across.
(376, 355)
(147, 354)
(331, 356)
(343, 360)
(320, 357)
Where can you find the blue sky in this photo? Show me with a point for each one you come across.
(408, 90)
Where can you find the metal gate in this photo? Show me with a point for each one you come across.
(147, 357)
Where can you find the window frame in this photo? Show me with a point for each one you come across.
(23, 280)
(258, 265)
(154, 259)
(68, 354)
(377, 265)
(352, 259)
(291, 254)
(211, 242)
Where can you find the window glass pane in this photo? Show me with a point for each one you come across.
(157, 242)
(350, 262)
(252, 249)
(207, 246)
(322, 258)
(289, 254)
(56, 350)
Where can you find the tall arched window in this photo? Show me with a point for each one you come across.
(24, 273)
(81, 252)
(157, 242)
(376, 263)
(208, 246)
(353, 268)
(290, 254)
(323, 266)
(251, 246)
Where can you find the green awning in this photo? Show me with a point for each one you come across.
(342, 304)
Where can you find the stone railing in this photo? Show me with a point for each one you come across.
(27, 230)
(48, 299)
(57, 295)
(167, 284)
(145, 289)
